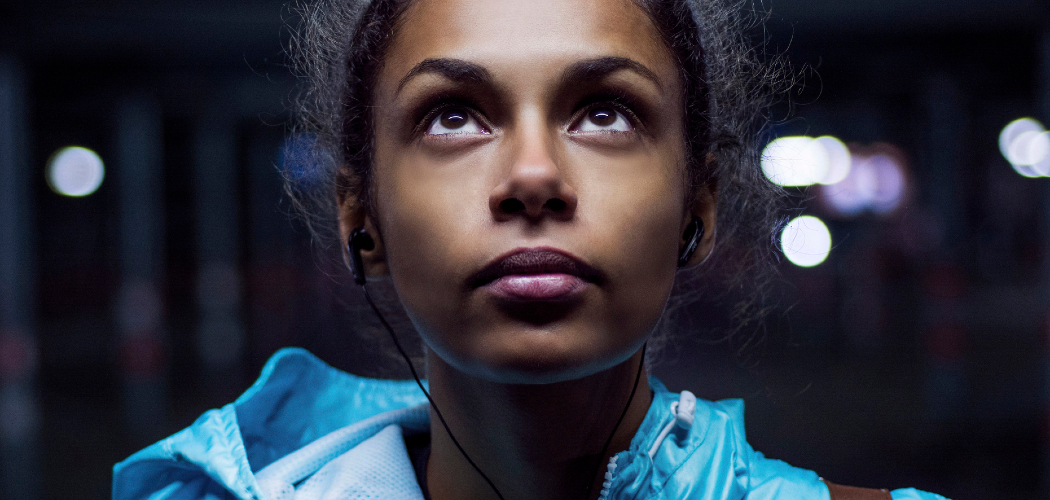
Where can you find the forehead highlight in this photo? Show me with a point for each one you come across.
(512, 34)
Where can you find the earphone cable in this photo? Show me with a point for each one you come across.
(437, 411)
(605, 448)
(426, 393)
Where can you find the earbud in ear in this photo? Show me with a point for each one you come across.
(694, 232)
(359, 240)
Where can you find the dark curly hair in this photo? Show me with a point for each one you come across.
(337, 50)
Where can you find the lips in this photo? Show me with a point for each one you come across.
(535, 274)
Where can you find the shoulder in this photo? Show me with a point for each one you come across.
(690, 448)
(761, 477)
(711, 457)
(770, 478)
(296, 400)
(914, 494)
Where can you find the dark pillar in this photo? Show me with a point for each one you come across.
(220, 329)
(945, 338)
(946, 128)
(1043, 100)
(19, 406)
(140, 302)
(272, 273)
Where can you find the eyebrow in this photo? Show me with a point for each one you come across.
(600, 67)
(578, 72)
(456, 70)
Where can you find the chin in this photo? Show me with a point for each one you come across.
(539, 357)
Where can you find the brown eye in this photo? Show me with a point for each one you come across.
(455, 121)
(602, 117)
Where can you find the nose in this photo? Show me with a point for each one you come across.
(535, 186)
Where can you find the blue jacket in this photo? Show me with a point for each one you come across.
(306, 430)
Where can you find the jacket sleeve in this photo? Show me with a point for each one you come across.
(766, 478)
(773, 479)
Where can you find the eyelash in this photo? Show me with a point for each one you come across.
(441, 104)
(622, 103)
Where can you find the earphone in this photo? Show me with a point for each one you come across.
(694, 232)
(361, 240)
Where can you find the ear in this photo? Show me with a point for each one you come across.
(705, 208)
(353, 215)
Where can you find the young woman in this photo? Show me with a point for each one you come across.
(532, 176)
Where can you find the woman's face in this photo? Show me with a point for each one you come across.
(530, 182)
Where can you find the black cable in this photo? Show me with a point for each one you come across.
(412, 368)
(427, 393)
(601, 456)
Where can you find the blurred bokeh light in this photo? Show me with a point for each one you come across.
(75, 171)
(806, 241)
(839, 159)
(1025, 143)
(796, 161)
(876, 182)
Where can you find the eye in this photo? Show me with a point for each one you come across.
(455, 121)
(603, 119)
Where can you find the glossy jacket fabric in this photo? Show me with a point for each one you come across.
(307, 431)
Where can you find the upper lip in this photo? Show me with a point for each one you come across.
(534, 261)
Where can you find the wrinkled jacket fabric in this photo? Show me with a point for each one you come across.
(308, 431)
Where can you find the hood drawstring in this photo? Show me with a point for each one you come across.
(684, 410)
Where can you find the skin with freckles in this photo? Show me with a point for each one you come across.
(546, 126)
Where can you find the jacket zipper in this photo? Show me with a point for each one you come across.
(682, 411)
(609, 470)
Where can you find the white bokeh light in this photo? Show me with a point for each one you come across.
(1039, 153)
(1012, 131)
(75, 171)
(806, 241)
(795, 161)
(1029, 148)
(1025, 143)
(839, 159)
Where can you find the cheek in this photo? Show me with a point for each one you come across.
(647, 252)
(636, 225)
(430, 217)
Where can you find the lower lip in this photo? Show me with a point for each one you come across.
(537, 286)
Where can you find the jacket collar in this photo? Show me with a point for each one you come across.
(302, 411)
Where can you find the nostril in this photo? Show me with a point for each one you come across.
(555, 204)
(511, 205)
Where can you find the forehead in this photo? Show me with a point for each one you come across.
(526, 34)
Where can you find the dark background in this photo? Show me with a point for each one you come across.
(916, 355)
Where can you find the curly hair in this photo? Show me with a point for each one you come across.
(337, 50)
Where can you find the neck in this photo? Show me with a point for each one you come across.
(532, 441)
